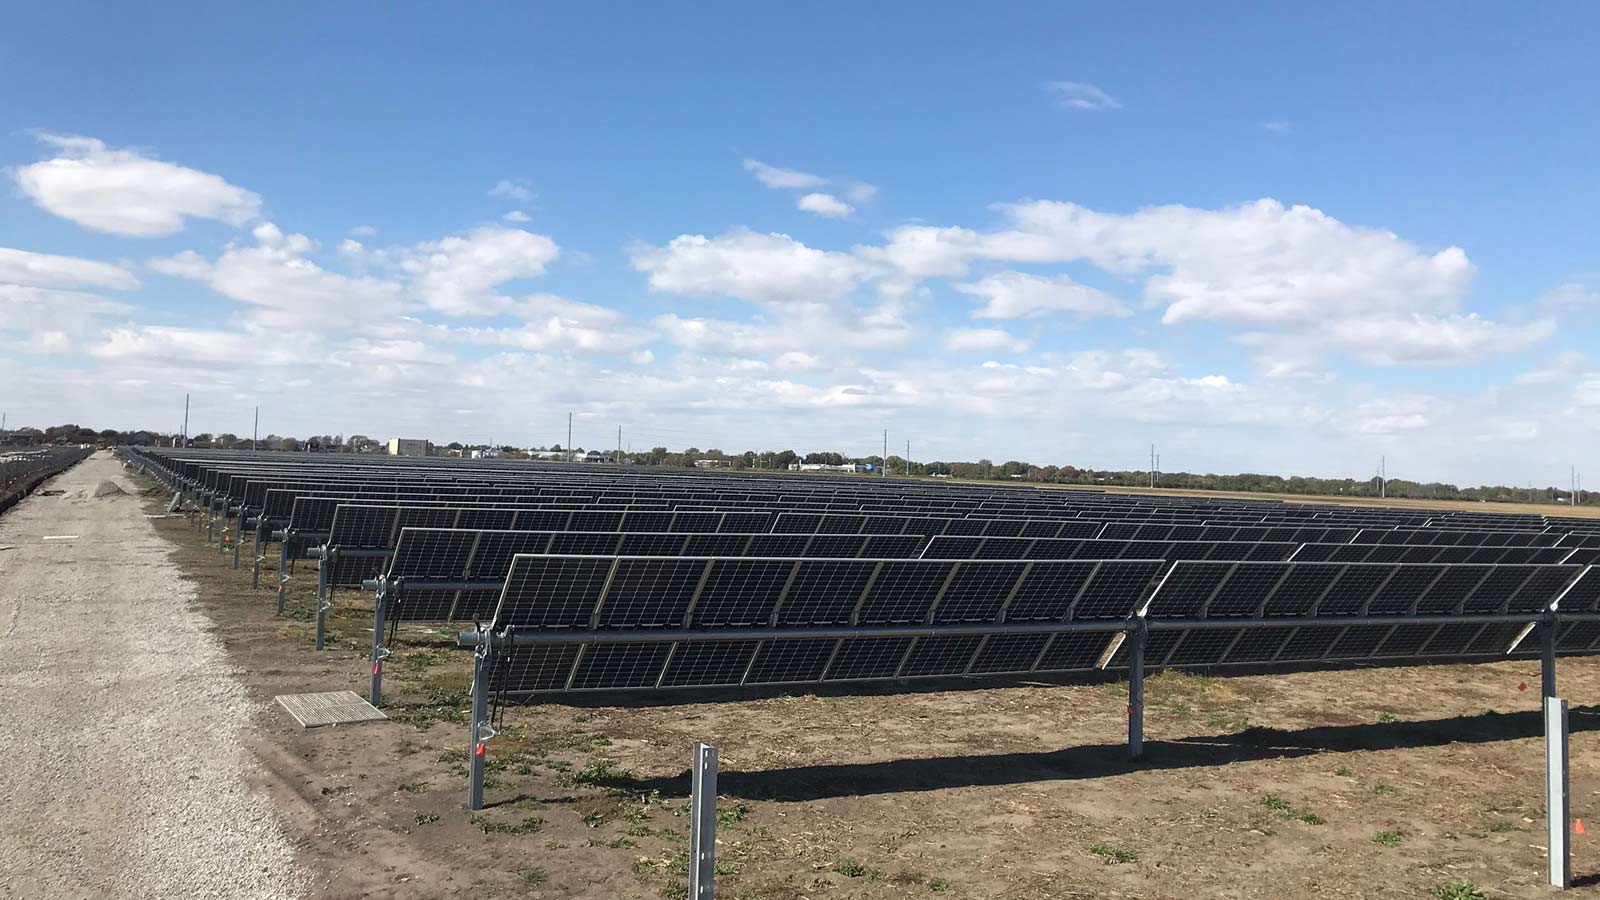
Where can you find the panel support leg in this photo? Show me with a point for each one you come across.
(283, 568)
(703, 822)
(1557, 809)
(379, 651)
(1547, 658)
(238, 536)
(255, 567)
(323, 566)
(1136, 640)
(481, 731)
(211, 520)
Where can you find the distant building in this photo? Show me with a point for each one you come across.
(829, 467)
(713, 464)
(595, 456)
(408, 447)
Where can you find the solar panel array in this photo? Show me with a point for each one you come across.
(1029, 580)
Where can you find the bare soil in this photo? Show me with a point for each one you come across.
(1379, 782)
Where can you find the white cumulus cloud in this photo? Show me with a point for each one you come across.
(1012, 295)
(825, 205)
(124, 192)
(1081, 95)
(963, 339)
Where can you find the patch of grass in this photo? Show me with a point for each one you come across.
(427, 818)
(1501, 826)
(1285, 808)
(594, 819)
(1228, 722)
(529, 825)
(851, 868)
(1457, 890)
(573, 741)
(533, 877)
(1113, 855)
(1388, 718)
(1383, 787)
(731, 814)
(414, 787)
(596, 772)
(676, 890)
(1343, 772)
(1389, 838)
(939, 885)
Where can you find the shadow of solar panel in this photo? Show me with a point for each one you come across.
(593, 543)
(903, 592)
(1355, 587)
(977, 592)
(524, 670)
(1493, 640)
(860, 658)
(1048, 590)
(709, 664)
(1541, 589)
(1257, 645)
(1202, 647)
(650, 593)
(1310, 642)
(1453, 587)
(612, 666)
(1186, 588)
(1072, 651)
(1400, 593)
(1246, 590)
(791, 660)
(1114, 592)
(825, 592)
(1451, 640)
(1497, 590)
(835, 546)
(934, 656)
(1006, 653)
(552, 592)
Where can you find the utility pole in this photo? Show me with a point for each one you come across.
(255, 430)
(1383, 476)
(885, 472)
(1574, 477)
(1158, 469)
(1152, 465)
(908, 459)
(569, 437)
(619, 445)
(185, 436)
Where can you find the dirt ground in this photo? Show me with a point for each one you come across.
(1357, 783)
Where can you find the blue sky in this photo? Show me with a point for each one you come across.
(1264, 238)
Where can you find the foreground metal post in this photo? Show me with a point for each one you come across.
(283, 567)
(322, 595)
(238, 536)
(1547, 658)
(481, 731)
(703, 822)
(1136, 638)
(379, 651)
(1557, 810)
(255, 567)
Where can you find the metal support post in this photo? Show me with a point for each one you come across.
(1557, 809)
(283, 567)
(211, 520)
(703, 822)
(1136, 639)
(379, 651)
(1547, 657)
(255, 567)
(323, 566)
(238, 536)
(481, 730)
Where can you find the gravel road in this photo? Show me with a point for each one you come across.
(122, 774)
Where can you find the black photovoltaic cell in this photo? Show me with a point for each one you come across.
(977, 592)
(825, 592)
(1048, 591)
(860, 658)
(1115, 591)
(790, 661)
(615, 666)
(552, 592)
(1355, 587)
(1302, 589)
(1403, 589)
(1184, 591)
(1497, 590)
(651, 593)
(1008, 653)
(904, 592)
(716, 664)
(1452, 589)
(742, 595)
(1246, 589)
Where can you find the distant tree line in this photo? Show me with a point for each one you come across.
(1011, 471)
